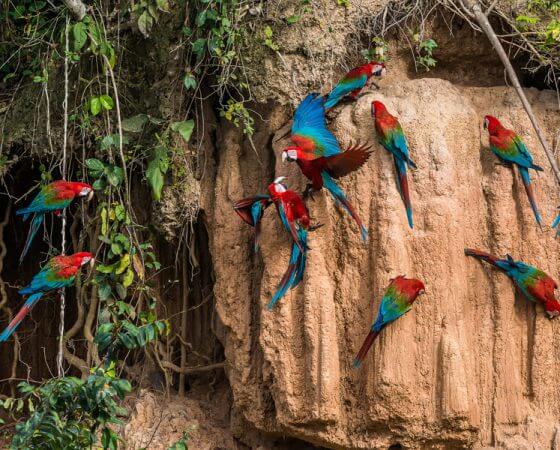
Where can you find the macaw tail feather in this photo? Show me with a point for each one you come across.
(491, 259)
(27, 306)
(33, 228)
(359, 359)
(555, 224)
(292, 276)
(341, 199)
(529, 189)
(301, 259)
(402, 184)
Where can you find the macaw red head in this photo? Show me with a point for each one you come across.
(81, 189)
(293, 153)
(81, 258)
(377, 69)
(377, 108)
(492, 124)
(409, 286)
(277, 187)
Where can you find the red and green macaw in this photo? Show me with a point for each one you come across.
(391, 136)
(318, 154)
(510, 149)
(535, 285)
(397, 301)
(60, 271)
(353, 82)
(53, 197)
(295, 218)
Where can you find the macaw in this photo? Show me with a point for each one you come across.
(397, 301)
(535, 285)
(391, 136)
(60, 271)
(295, 218)
(53, 197)
(318, 154)
(510, 149)
(353, 82)
(251, 210)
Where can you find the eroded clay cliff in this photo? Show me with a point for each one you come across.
(473, 364)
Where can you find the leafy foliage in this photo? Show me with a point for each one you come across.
(69, 413)
(425, 49)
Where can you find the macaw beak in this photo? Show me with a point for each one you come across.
(89, 196)
(279, 180)
(284, 156)
(421, 291)
(380, 72)
(92, 262)
(485, 125)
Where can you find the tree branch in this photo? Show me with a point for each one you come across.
(191, 370)
(473, 7)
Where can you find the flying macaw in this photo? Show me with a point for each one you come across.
(53, 197)
(60, 271)
(510, 149)
(295, 218)
(391, 136)
(353, 82)
(251, 210)
(397, 300)
(535, 285)
(318, 154)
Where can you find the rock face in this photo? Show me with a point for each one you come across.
(474, 364)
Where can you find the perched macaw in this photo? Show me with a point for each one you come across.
(295, 218)
(391, 136)
(397, 300)
(53, 197)
(535, 285)
(510, 149)
(251, 210)
(60, 271)
(353, 82)
(318, 154)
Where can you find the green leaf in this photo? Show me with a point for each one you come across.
(79, 33)
(95, 105)
(134, 124)
(163, 5)
(185, 128)
(145, 23)
(99, 184)
(198, 47)
(106, 269)
(128, 278)
(201, 18)
(104, 292)
(293, 19)
(107, 102)
(94, 164)
(268, 31)
(189, 82)
(121, 291)
(155, 178)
